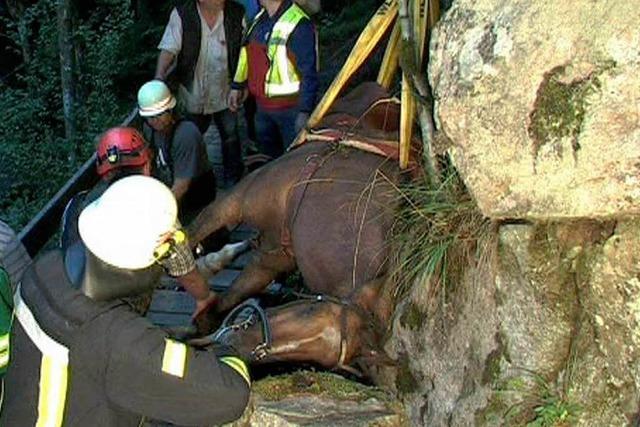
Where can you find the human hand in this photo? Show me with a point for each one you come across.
(301, 121)
(236, 98)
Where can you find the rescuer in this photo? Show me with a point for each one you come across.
(81, 356)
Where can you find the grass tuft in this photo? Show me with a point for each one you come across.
(438, 234)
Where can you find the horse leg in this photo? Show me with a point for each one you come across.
(261, 270)
(222, 212)
(255, 277)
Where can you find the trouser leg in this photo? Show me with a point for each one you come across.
(202, 121)
(267, 134)
(227, 124)
(287, 125)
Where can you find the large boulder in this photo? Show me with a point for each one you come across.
(540, 102)
(544, 330)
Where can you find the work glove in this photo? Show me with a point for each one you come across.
(301, 121)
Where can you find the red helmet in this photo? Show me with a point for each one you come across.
(121, 147)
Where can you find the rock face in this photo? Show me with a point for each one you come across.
(541, 103)
(546, 330)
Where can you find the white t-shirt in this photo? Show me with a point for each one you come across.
(210, 87)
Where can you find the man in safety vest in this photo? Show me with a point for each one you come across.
(80, 356)
(278, 65)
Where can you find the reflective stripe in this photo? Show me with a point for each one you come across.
(4, 342)
(53, 392)
(4, 350)
(174, 359)
(239, 366)
(53, 369)
(45, 343)
(282, 78)
(242, 72)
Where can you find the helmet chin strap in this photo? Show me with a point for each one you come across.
(104, 282)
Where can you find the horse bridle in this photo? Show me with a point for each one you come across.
(261, 350)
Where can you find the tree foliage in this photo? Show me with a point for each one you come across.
(35, 154)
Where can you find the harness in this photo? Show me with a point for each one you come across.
(255, 313)
(297, 192)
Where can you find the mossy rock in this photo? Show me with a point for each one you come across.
(317, 383)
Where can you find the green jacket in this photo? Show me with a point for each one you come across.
(6, 314)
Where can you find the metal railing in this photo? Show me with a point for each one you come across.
(46, 223)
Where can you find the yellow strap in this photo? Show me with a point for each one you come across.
(175, 358)
(239, 366)
(53, 392)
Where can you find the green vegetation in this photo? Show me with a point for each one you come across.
(317, 383)
(438, 234)
(412, 317)
(560, 106)
(538, 402)
(406, 382)
(36, 158)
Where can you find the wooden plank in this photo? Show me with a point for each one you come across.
(241, 261)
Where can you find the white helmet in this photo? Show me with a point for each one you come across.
(155, 98)
(125, 225)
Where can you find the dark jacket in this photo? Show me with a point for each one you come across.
(117, 363)
(192, 31)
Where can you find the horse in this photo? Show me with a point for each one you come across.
(325, 208)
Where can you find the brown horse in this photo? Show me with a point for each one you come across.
(325, 208)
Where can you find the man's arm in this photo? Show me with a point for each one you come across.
(194, 283)
(182, 266)
(189, 157)
(165, 60)
(149, 374)
(302, 44)
(170, 45)
(180, 187)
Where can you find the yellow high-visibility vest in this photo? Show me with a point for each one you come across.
(282, 78)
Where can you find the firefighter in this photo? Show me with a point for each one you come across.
(81, 356)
